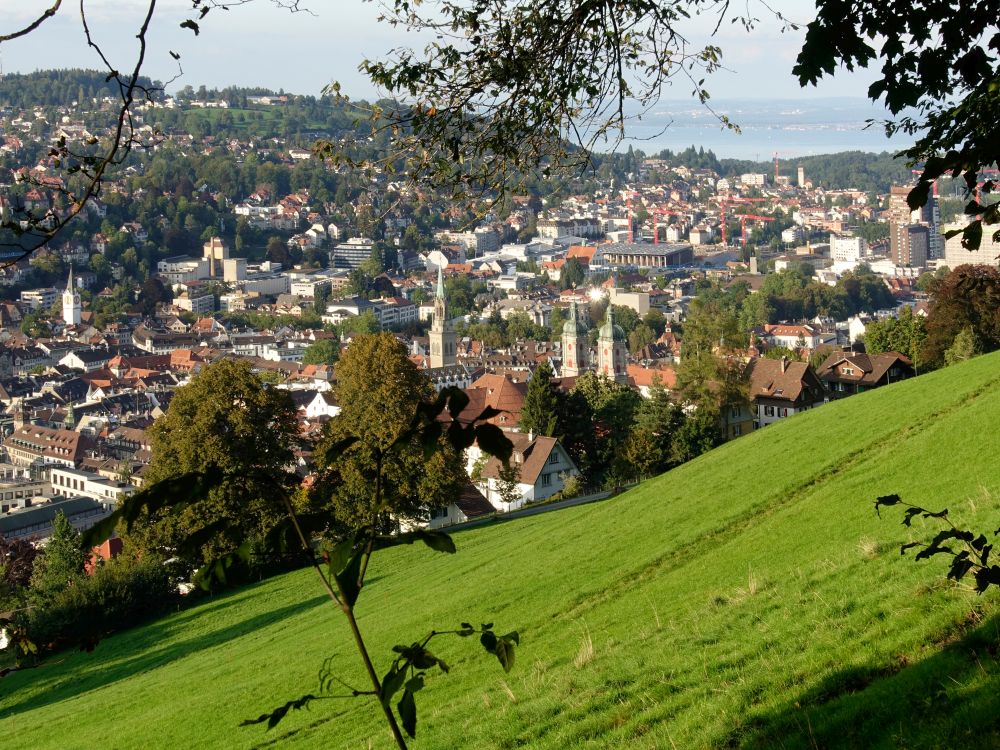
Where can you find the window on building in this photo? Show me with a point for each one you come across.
(546, 480)
(554, 458)
(768, 411)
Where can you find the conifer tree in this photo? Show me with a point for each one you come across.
(539, 414)
(62, 562)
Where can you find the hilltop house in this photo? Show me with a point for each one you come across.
(542, 466)
(780, 388)
(846, 373)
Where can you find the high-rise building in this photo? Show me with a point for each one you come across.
(215, 252)
(900, 215)
(442, 336)
(801, 176)
(988, 253)
(909, 244)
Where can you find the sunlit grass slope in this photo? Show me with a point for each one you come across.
(749, 598)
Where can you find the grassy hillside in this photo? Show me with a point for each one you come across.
(749, 598)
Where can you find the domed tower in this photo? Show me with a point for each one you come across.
(575, 351)
(611, 352)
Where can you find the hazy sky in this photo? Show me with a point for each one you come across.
(259, 44)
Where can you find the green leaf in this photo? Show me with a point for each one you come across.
(332, 452)
(457, 401)
(348, 579)
(339, 555)
(505, 653)
(407, 708)
(436, 540)
(489, 641)
(391, 684)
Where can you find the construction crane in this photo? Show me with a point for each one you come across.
(722, 211)
(628, 204)
(744, 218)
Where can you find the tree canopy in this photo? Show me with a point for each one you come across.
(225, 419)
(379, 389)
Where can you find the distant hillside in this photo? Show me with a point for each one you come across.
(750, 598)
(56, 88)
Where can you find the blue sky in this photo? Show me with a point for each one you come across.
(259, 44)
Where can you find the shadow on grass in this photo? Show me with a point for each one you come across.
(137, 655)
(949, 699)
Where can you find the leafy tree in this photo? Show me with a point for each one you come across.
(965, 346)
(905, 334)
(641, 336)
(322, 352)
(360, 325)
(625, 317)
(612, 407)
(61, 564)
(572, 274)
(153, 293)
(242, 428)
(379, 389)
(649, 449)
(540, 411)
(968, 297)
(508, 478)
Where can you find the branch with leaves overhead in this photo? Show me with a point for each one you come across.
(940, 76)
(506, 87)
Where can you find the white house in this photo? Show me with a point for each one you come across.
(542, 467)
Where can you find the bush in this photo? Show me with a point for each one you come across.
(119, 594)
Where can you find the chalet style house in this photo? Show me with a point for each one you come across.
(780, 388)
(847, 373)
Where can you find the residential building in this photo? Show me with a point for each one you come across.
(780, 388)
(955, 255)
(32, 445)
(67, 482)
(351, 254)
(846, 373)
(40, 299)
(542, 467)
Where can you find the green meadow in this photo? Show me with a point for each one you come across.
(750, 598)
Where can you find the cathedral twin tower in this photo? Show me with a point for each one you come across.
(611, 352)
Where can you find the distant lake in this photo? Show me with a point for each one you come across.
(791, 127)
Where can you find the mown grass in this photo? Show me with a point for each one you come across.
(749, 598)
